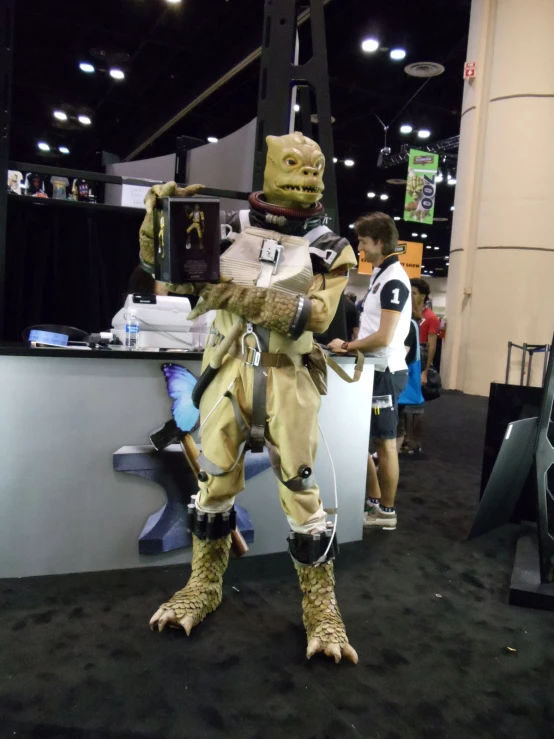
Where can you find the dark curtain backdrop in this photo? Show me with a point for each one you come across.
(67, 263)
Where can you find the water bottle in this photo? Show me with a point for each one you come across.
(132, 330)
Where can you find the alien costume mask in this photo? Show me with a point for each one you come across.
(283, 273)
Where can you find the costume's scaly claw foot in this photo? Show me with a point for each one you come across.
(203, 592)
(322, 620)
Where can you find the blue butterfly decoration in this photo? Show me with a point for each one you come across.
(180, 384)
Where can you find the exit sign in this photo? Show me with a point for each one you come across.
(469, 70)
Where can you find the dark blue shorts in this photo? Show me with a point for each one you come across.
(387, 386)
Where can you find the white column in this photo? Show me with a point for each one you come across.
(501, 276)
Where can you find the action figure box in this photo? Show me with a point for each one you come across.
(187, 237)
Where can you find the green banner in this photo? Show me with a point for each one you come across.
(421, 188)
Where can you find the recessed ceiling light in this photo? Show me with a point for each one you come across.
(43, 146)
(117, 74)
(406, 128)
(452, 181)
(370, 45)
(415, 235)
(212, 140)
(348, 162)
(429, 247)
(439, 177)
(452, 208)
(447, 258)
(424, 133)
(297, 108)
(335, 160)
(436, 248)
(63, 149)
(60, 115)
(398, 54)
(396, 218)
(86, 67)
(423, 236)
(85, 120)
(173, 2)
(384, 196)
(371, 195)
(351, 225)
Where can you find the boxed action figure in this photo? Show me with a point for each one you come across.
(187, 238)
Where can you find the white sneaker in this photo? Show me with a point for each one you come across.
(379, 519)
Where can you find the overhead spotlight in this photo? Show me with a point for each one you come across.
(430, 271)
(43, 146)
(351, 225)
(63, 149)
(173, 2)
(452, 208)
(117, 74)
(212, 140)
(384, 152)
(369, 45)
(439, 177)
(424, 133)
(384, 196)
(85, 120)
(348, 162)
(86, 67)
(428, 246)
(452, 181)
(60, 115)
(396, 218)
(406, 128)
(436, 248)
(371, 195)
(398, 54)
(415, 235)
(423, 236)
(297, 108)
(335, 160)
(446, 258)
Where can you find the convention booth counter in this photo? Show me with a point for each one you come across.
(75, 420)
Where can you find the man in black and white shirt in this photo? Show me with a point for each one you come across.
(385, 324)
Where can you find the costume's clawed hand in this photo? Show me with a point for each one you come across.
(212, 297)
(331, 649)
(171, 190)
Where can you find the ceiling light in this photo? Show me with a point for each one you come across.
(117, 74)
(173, 2)
(423, 236)
(452, 181)
(371, 195)
(436, 248)
(430, 271)
(351, 225)
(370, 45)
(43, 146)
(424, 133)
(439, 177)
(406, 128)
(447, 258)
(384, 196)
(452, 208)
(212, 140)
(60, 115)
(415, 235)
(85, 120)
(396, 218)
(63, 149)
(429, 247)
(297, 108)
(335, 160)
(348, 162)
(398, 54)
(86, 67)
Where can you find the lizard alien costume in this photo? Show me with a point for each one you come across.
(282, 277)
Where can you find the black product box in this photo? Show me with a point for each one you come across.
(187, 238)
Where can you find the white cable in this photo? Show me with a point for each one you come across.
(323, 557)
(217, 404)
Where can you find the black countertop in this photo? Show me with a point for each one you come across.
(20, 350)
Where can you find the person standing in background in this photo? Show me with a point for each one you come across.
(429, 324)
(352, 317)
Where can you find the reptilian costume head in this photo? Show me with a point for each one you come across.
(294, 169)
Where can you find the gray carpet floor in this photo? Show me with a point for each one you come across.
(426, 611)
